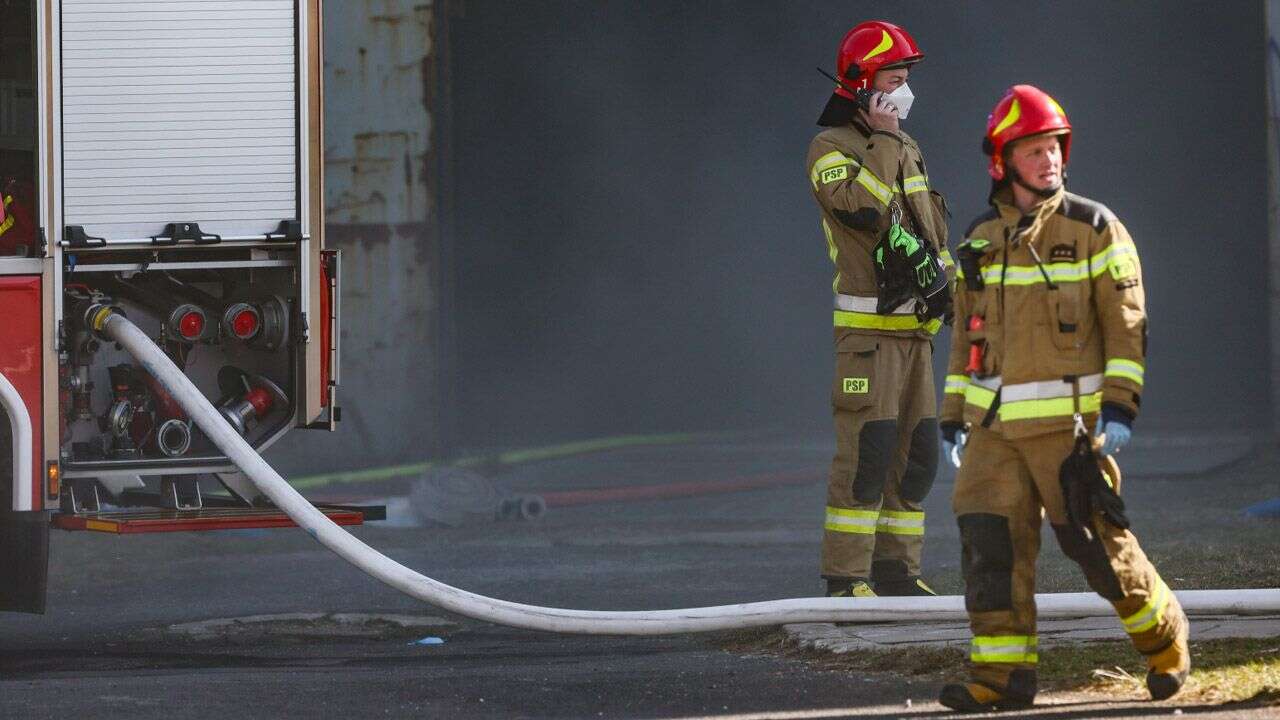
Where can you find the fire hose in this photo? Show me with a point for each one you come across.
(592, 622)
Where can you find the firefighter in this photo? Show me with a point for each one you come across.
(17, 224)
(868, 176)
(1051, 335)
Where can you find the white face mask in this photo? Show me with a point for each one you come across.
(902, 98)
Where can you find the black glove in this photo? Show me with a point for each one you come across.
(893, 287)
(1085, 491)
(939, 305)
(908, 267)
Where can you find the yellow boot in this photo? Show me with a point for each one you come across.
(1019, 693)
(1167, 670)
(850, 587)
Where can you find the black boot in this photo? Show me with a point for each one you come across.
(980, 697)
(890, 579)
(849, 587)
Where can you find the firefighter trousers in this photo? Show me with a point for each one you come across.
(886, 455)
(1002, 491)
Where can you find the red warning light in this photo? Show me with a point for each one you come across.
(245, 324)
(191, 325)
(261, 401)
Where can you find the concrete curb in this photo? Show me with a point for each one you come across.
(844, 638)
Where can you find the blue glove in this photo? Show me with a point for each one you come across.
(1116, 426)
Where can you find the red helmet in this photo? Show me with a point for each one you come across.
(870, 47)
(1025, 110)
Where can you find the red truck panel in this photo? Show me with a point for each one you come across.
(21, 358)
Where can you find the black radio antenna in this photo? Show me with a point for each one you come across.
(838, 81)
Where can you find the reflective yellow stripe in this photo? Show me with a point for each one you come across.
(1004, 649)
(956, 385)
(859, 522)
(945, 257)
(899, 522)
(1060, 272)
(915, 184)
(1050, 408)
(871, 321)
(980, 396)
(878, 189)
(833, 253)
(1030, 274)
(1127, 369)
(1113, 254)
(1150, 614)
(831, 160)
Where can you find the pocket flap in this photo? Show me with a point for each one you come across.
(858, 343)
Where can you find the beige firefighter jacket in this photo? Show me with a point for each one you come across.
(1063, 335)
(856, 174)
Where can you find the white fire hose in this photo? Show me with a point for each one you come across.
(649, 622)
(20, 428)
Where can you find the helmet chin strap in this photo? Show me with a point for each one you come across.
(1044, 193)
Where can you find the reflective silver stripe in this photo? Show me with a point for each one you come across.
(990, 383)
(1047, 389)
(853, 303)
(878, 190)
(844, 520)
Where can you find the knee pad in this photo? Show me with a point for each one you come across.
(922, 461)
(876, 443)
(986, 560)
(1092, 559)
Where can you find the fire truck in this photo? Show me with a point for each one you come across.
(162, 158)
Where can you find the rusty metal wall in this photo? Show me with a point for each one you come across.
(382, 80)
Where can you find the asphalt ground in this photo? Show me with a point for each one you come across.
(108, 647)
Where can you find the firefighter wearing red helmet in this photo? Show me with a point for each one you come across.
(1049, 342)
(873, 193)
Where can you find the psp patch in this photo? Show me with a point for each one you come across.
(1123, 268)
(834, 174)
(856, 386)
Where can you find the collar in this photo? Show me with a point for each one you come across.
(1028, 225)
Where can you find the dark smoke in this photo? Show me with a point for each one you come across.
(637, 248)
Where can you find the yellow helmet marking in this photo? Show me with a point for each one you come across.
(1056, 107)
(886, 42)
(1015, 112)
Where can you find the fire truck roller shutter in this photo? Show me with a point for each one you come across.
(179, 112)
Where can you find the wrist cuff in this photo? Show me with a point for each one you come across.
(1114, 412)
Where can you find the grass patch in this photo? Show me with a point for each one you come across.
(1225, 671)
